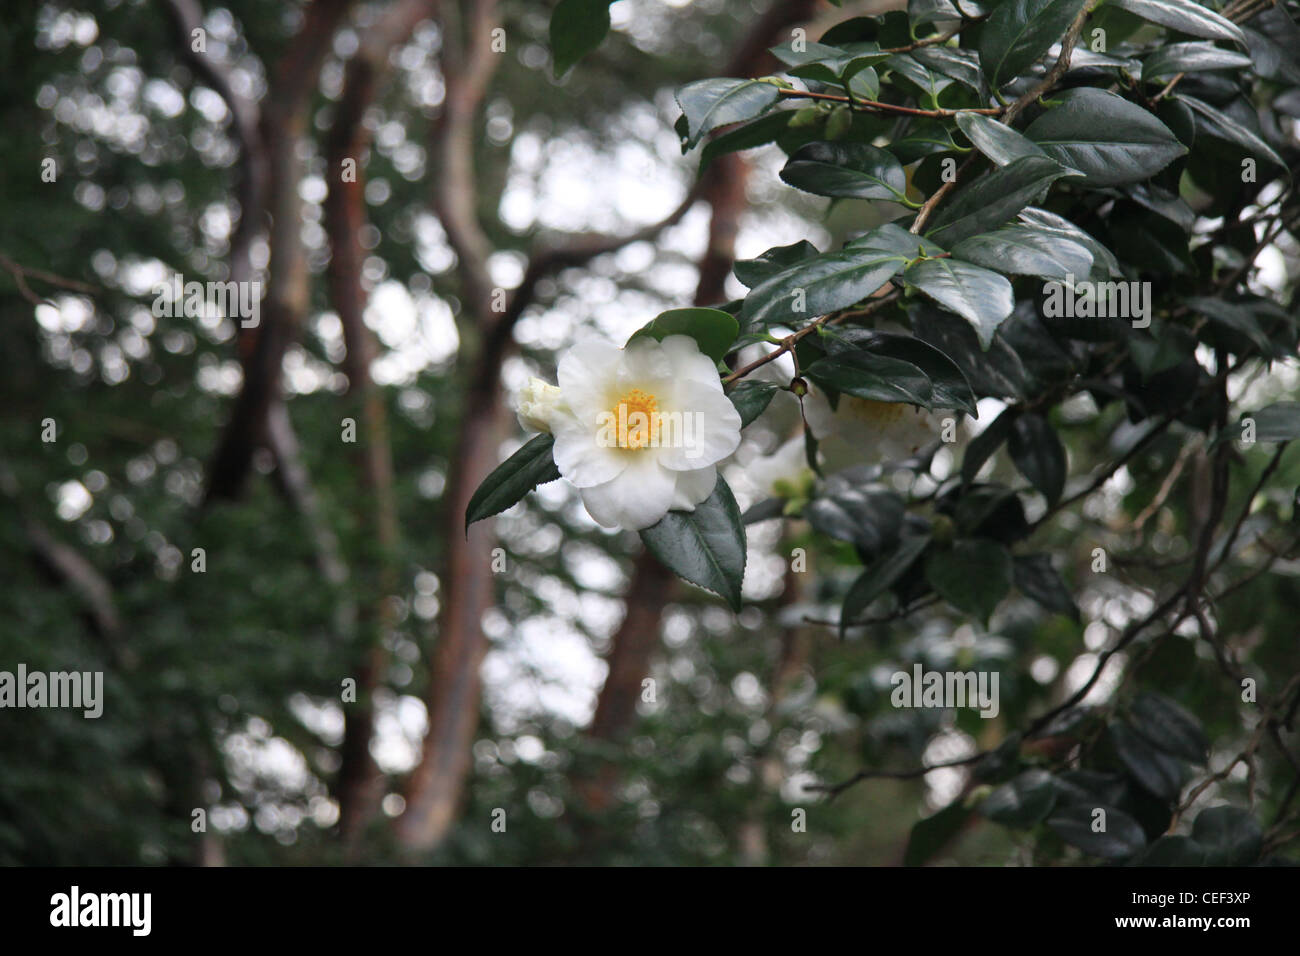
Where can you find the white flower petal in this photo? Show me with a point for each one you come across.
(587, 373)
(710, 428)
(693, 487)
(636, 499)
(687, 359)
(580, 458)
(645, 364)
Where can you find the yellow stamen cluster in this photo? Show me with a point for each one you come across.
(879, 414)
(637, 432)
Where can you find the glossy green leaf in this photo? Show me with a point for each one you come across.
(1105, 137)
(870, 517)
(832, 280)
(530, 466)
(1038, 454)
(752, 272)
(877, 378)
(879, 576)
(1018, 32)
(1191, 58)
(1185, 16)
(707, 104)
(712, 329)
(995, 373)
(1168, 726)
(751, 399)
(1023, 250)
(973, 576)
(1037, 580)
(1217, 124)
(755, 133)
(994, 198)
(846, 171)
(998, 141)
(949, 388)
(1023, 802)
(577, 28)
(706, 546)
(1121, 838)
(1104, 263)
(980, 296)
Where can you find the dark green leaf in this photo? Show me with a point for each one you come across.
(1038, 454)
(1018, 32)
(980, 296)
(830, 281)
(1158, 773)
(1277, 422)
(973, 576)
(757, 132)
(1024, 250)
(752, 272)
(1191, 58)
(998, 141)
(925, 138)
(1171, 728)
(993, 199)
(1229, 835)
(1121, 838)
(1185, 16)
(751, 399)
(1037, 580)
(949, 388)
(1022, 802)
(874, 377)
(577, 27)
(846, 170)
(705, 546)
(530, 466)
(962, 65)
(997, 373)
(1104, 263)
(983, 445)
(868, 517)
(932, 834)
(716, 102)
(1219, 125)
(712, 329)
(880, 576)
(1105, 137)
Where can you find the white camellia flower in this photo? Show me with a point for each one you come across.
(784, 473)
(868, 431)
(638, 430)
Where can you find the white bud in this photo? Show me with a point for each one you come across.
(538, 402)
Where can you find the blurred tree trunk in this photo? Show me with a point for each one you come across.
(359, 785)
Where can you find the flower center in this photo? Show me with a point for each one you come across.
(637, 415)
(878, 414)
